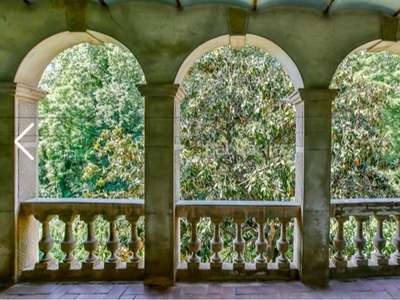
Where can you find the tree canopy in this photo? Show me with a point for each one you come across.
(237, 129)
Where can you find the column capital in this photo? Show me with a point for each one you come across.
(161, 90)
(28, 93)
(312, 95)
(7, 88)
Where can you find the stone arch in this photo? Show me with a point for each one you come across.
(35, 62)
(27, 98)
(339, 129)
(250, 39)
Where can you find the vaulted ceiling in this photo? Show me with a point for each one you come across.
(391, 7)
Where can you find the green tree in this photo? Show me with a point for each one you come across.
(237, 132)
(360, 138)
(91, 90)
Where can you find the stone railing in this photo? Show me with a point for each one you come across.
(91, 268)
(263, 213)
(351, 217)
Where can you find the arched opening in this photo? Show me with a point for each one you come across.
(365, 142)
(87, 139)
(237, 139)
(366, 153)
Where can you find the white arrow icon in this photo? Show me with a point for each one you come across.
(16, 141)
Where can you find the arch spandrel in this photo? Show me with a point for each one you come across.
(317, 42)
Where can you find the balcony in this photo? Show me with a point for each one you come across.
(382, 215)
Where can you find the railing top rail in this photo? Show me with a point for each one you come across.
(365, 207)
(82, 206)
(237, 209)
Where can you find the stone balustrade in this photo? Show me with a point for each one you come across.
(88, 210)
(383, 216)
(262, 213)
(370, 227)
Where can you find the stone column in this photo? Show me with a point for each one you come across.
(161, 181)
(8, 215)
(313, 164)
(26, 170)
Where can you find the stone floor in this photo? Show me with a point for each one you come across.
(356, 289)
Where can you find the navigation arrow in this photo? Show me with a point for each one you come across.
(16, 141)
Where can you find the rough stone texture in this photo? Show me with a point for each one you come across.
(162, 182)
(28, 238)
(313, 157)
(163, 38)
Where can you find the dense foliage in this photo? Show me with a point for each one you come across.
(237, 131)
(91, 92)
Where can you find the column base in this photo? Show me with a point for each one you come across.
(90, 265)
(111, 265)
(339, 263)
(67, 265)
(261, 265)
(360, 262)
(283, 265)
(45, 265)
(238, 266)
(381, 261)
(193, 265)
(216, 265)
(133, 264)
(394, 258)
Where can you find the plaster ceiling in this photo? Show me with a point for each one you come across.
(391, 7)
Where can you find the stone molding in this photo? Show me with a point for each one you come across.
(28, 93)
(161, 90)
(390, 28)
(7, 88)
(312, 95)
(237, 20)
(76, 15)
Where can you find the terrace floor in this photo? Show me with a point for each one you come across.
(356, 289)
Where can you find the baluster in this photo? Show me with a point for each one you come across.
(46, 243)
(339, 243)
(216, 244)
(261, 244)
(91, 243)
(112, 244)
(379, 242)
(68, 244)
(395, 257)
(135, 243)
(283, 245)
(194, 244)
(239, 244)
(359, 242)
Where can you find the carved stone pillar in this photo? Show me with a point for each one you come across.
(339, 243)
(162, 105)
(379, 242)
(216, 244)
(68, 244)
(239, 245)
(45, 244)
(112, 244)
(8, 210)
(91, 243)
(135, 243)
(313, 167)
(360, 242)
(283, 246)
(395, 257)
(25, 109)
(194, 245)
(261, 244)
